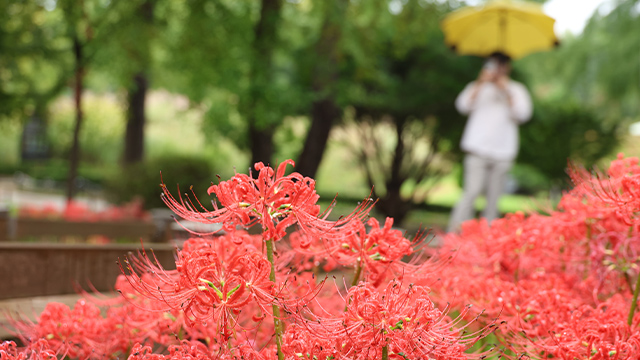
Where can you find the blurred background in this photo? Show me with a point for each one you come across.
(98, 96)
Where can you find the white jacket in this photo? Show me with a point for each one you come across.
(492, 128)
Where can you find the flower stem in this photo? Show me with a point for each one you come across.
(356, 276)
(276, 310)
(385, 352)
(634, 302)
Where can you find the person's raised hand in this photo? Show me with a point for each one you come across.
(486, 76)
(502, 82)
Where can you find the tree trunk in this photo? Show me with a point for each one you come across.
(395, 180)
(324, 111)
(392, 204)
(134, 136)
(74, 159)
(261, 145)
(323, 114)
(261, 133)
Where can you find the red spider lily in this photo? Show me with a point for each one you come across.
(80, 332)
(107, 331)
(300, 343)
(83, 333)
(517, 247)
(216, 283)
(43, 212)
(186, 350)
(618, 192)
(404, 320)
(38, 350)
(598, 333)
(515, 250)
(524, 306)
(380, 252)
(209, 282)
(144, 320)
(196, 350)
(377, 253)
(76, 211)
(274, 200)
(564, 281)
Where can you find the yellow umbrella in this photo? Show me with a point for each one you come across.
(514, 28)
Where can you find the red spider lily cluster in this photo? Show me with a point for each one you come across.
(265, 296)
(565, 283)
(75, 211)
(562, 285)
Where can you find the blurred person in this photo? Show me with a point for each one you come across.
(496, 106)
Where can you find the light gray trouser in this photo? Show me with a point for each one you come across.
(480, 174)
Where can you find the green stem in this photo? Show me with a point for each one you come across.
(627, 278)
(229, 345)
(385, 352)
(277, 325)
(634, 302)
(356, 277)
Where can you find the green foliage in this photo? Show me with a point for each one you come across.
(129, 32)
(563, 131)
(403, 69)
(587, 92)
(392, 66)
(33, 68)
(531, 181)
(143, 179)
(600, 67)
(402, 82)
(289, 137)
(207, 46)
(616, 71)
(10, 142)
(36, 40)
(207, 54)
(101, 136)
(55, 170)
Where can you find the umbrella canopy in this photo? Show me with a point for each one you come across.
(514, 28)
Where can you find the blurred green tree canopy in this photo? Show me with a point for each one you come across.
(33, 65)
(248, 66)
(587, 93)
(600, 67)
(405, 83)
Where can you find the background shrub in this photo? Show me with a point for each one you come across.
(143, 179)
